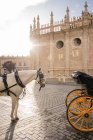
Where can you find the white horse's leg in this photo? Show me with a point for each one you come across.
(14, 100)
(16, 108)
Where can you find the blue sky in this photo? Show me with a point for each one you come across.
(17, 15)
(58, 7)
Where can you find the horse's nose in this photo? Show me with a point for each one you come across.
(43, 85)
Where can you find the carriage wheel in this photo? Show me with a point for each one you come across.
(80, 113)
(73, 94)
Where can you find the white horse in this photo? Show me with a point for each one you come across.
(14, 83)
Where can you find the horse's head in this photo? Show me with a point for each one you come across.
(41, 79)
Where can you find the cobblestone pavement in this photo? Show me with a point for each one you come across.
(42, 116)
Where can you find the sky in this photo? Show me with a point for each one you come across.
(17, 15)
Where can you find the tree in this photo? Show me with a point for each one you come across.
(9, 65)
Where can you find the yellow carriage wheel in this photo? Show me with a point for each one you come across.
(73, 94)
(80, 113)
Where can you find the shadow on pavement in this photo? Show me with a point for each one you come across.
(10, 131)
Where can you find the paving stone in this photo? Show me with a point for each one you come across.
(42, 116)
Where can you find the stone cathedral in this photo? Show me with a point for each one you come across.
(62, 47)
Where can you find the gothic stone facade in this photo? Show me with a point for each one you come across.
(63, 47)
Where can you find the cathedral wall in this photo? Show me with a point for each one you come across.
(59, 53)
(90, 60)
(70, 50)
(64, 46)
(76, 50)
(44, 53)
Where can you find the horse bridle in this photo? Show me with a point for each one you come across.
(41, 78)
(7, 88)
(39, 74)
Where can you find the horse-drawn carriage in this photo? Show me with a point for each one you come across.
(79, 103)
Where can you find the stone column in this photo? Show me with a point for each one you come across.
(85, 52)
(67, 53)
(51, 59)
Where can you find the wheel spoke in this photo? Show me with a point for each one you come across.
(86, 123)
(78, 120)
(90, 109)
(74, 117)
(74, 113)
(81, 122)
(80, 109)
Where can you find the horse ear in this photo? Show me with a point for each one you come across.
(15, 70)
(39, 69)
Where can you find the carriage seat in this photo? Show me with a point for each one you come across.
(84, 79)
(81, 76)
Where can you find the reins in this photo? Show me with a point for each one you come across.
(41, 76)
(18, 80)
(7, 89)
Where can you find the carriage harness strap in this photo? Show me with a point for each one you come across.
(7, 89)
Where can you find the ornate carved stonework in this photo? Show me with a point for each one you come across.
(64, 46)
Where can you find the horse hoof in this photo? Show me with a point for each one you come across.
(13, 121)
(17, 119)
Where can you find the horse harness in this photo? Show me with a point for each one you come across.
(7, 88)
(40, 74)
(41, 78)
